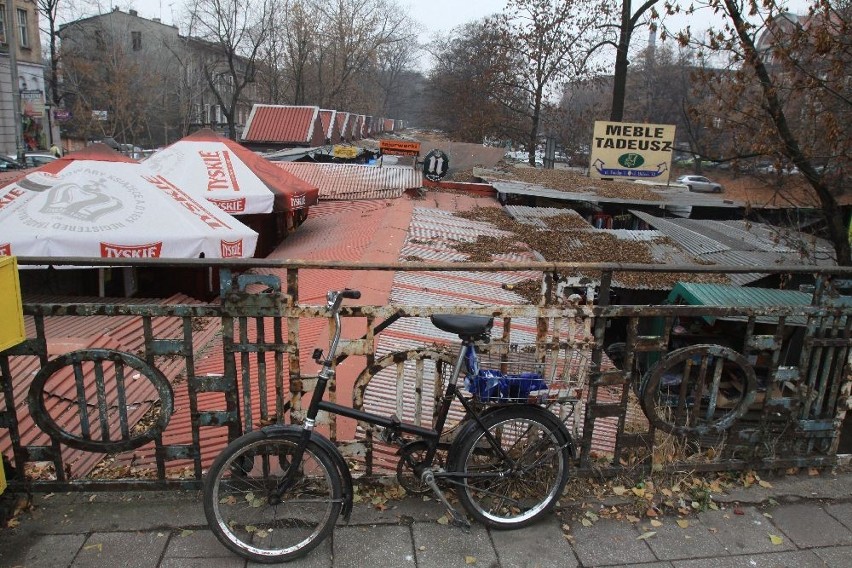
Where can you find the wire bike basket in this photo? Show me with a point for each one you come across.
(526, 373)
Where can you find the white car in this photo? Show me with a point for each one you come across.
(700, 183)
(33, 159)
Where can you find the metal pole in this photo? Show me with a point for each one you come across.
(12, 42)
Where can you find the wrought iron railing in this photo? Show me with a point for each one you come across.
(110, 393)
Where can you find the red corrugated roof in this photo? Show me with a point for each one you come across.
(344, 125)
(282, 124)
(329, 125)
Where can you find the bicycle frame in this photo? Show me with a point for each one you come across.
(430, 435)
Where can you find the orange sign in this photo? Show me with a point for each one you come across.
(399, 147)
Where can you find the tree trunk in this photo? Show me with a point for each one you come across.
(619, 84)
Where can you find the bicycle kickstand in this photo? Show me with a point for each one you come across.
(459, 520)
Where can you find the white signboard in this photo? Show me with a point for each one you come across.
(632, 150)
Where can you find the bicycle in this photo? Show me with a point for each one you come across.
(274, 494)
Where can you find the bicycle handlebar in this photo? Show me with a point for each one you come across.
(349, 293)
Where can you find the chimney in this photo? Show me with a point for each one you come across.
(134, 13)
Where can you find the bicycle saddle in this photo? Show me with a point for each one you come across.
(464, 326)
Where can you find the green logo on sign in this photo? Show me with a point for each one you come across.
(631, 160)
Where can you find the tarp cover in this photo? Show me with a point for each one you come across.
(98, 203)
(231, 176)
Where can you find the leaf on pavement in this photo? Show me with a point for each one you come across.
(470, 559)
(765, 484)
(655, 523)
(586, 522)
(619, 490)
(682, 523)
(646, 535)
(775, 539)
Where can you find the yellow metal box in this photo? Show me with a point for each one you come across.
(11, 313)
(2, 477)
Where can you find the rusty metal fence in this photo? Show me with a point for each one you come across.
(116, 394)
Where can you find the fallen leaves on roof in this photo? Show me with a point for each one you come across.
(568, 181)
(570, 239)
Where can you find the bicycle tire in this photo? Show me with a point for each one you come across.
(236, 505)
(514, 496)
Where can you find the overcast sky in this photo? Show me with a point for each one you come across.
(432, 16)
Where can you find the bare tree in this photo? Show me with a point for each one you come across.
(786, 91)
(234, 30)
(353, 31)
(465, 82)
(546, 38)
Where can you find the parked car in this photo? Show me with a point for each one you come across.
(700, 183)
(34, 160)
(7, 164)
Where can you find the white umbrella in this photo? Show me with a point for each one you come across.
(98, 203)
(234, 178)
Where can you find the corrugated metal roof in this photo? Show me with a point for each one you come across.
(742, 243)
(720, 295)
(535, 215)
(281, 123)
(677, 202)
(691, 241)
(344, 125)
(356, 181)
(329, 125)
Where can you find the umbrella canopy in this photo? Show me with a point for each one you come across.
(231, 176)
(98, 203)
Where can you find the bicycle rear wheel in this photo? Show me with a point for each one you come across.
(236, 498)
(511, 487)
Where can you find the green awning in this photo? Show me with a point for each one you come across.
(693, 294)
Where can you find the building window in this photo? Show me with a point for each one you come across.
(2, 23)
(23, 29)
(137, 40)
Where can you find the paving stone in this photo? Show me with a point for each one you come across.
(448, 546)
(538, 545)
(839, 556)
(621, 546)
(320, 557)
(404, 511)
(121, 549)
(809, 525)
(109, 516)
(234, 562)
(374, 546)
(842, 512)
(696, 540)
(195, 544)
(42, 551)
(796, 559)
(746, 533)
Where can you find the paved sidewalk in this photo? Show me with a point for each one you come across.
(812, 517)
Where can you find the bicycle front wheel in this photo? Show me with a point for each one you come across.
(515, 469)
(236, 500)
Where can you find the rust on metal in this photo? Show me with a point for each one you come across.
(174, 399)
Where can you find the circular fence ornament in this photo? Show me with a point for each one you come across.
(698, 390)
(101, 400)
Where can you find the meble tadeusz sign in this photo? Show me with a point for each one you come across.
(630, 150)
